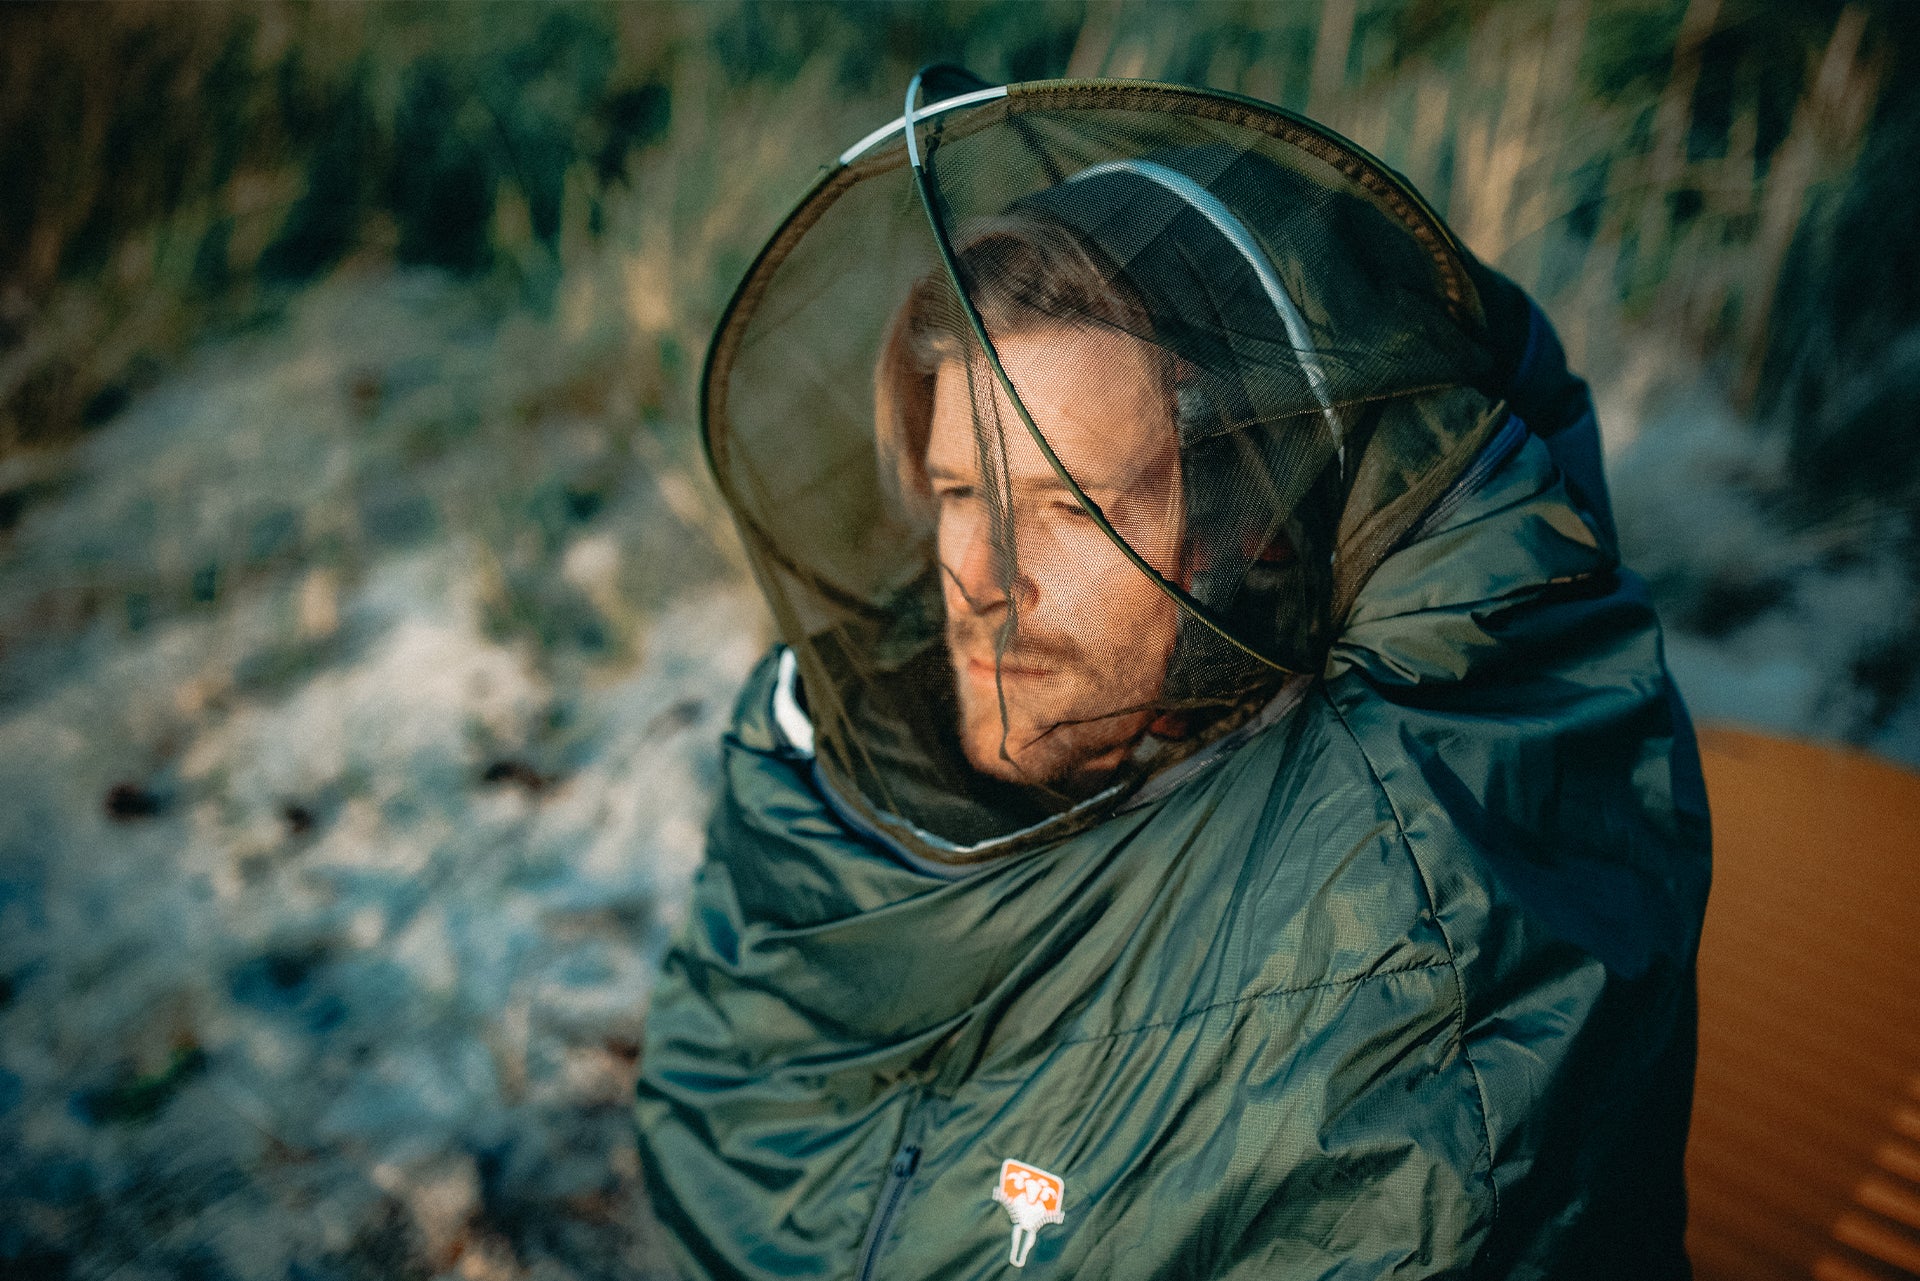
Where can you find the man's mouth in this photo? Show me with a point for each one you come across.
(1009, 669)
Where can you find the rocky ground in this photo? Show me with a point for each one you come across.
(339, 837)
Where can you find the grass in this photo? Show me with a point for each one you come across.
(188, 164)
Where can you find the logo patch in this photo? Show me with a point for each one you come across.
(1033, 1199)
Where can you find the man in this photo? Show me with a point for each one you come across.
(1059, 647)
(1220, 810)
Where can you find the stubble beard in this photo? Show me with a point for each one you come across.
(1063, 725)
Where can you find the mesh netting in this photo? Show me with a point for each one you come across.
(1230, 360)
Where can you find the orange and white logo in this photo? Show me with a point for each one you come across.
(1033, 1199)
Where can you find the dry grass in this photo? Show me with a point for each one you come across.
(185, 158)
(1600, 202)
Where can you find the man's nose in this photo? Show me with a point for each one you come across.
(987, 574)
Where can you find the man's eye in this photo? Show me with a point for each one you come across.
(1068, 507)
(953, 493)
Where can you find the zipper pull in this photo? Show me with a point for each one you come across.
(905, 1162)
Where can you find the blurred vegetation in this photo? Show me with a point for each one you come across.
(175, 165)
(1733, 177)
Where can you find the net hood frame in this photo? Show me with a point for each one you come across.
(962, 107)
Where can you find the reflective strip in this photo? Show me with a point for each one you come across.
(787, 714)
(1209, 206)
(931, 109)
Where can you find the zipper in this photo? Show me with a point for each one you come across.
(892, 1194)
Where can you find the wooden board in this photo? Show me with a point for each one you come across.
(1804, 1159)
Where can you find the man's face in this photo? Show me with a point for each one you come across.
(1059, 643)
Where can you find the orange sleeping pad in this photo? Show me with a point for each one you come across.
(1804, 1159)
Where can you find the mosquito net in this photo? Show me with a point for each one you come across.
(1064, 425)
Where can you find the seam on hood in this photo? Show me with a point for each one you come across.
(1479, 606)
(1521, 504)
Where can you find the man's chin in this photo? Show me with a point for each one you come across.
(1039, 759)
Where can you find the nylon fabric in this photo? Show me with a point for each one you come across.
(1401, 988)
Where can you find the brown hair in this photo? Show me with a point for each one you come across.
(1023, 272)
